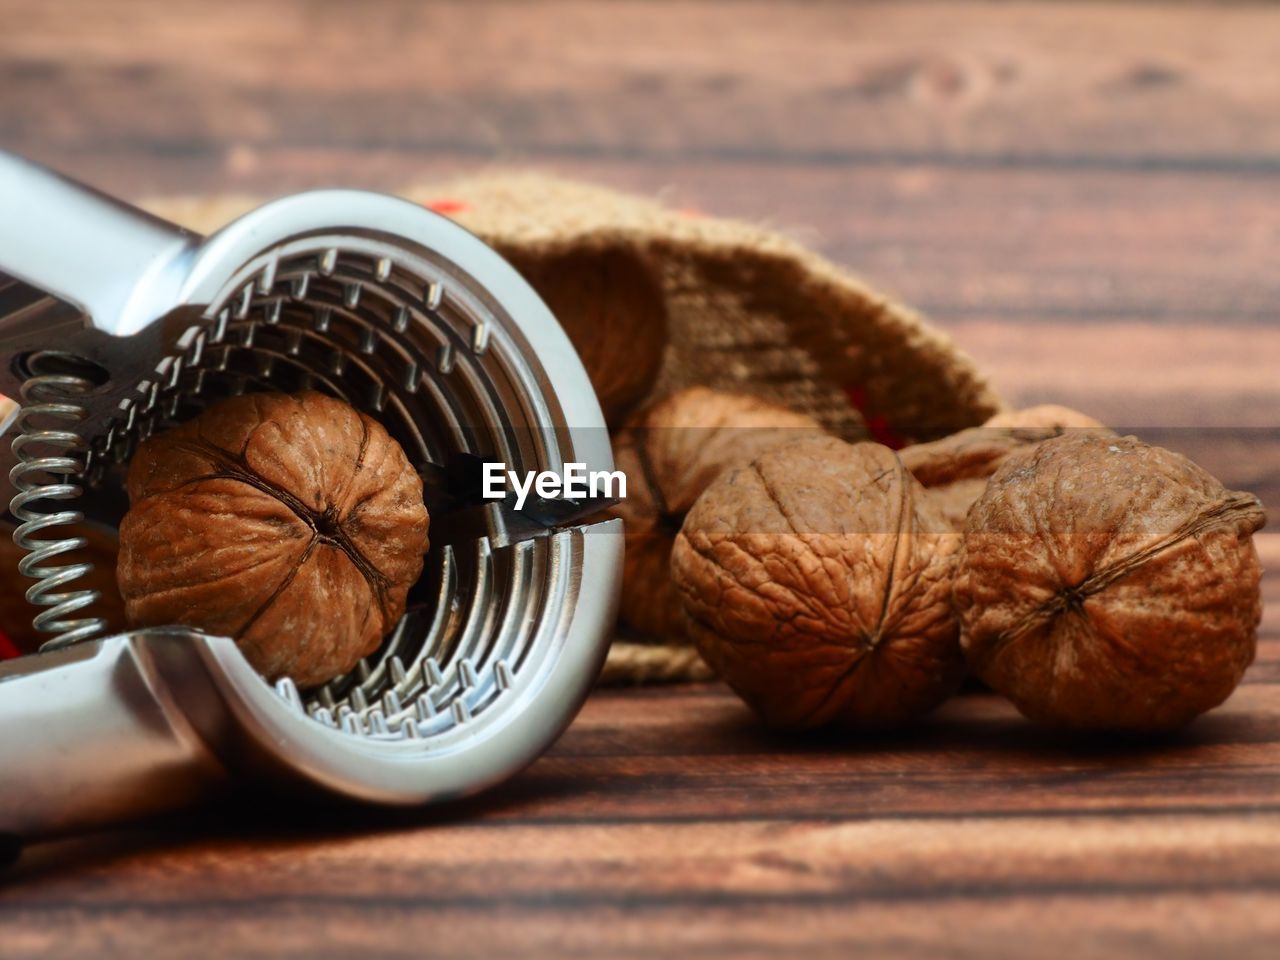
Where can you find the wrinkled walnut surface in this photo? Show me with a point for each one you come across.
(293, 524)
(670, 454)
(953, 500)
(1045, 415)
(955, 468)
(817, 582)
(1107, 584)
(971, 454)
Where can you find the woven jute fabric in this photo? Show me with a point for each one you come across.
(748, 310)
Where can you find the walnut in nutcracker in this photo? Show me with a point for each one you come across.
(294, 524)
(817, 582)
(1107, 584)
(670, 454)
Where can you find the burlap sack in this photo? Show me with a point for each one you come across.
(746, 309)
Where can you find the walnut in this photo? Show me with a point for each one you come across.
(293, 524)
(670, 454)
(1046, 415)
(954, 500)
(817, 582)
(955, 468)
(1107, 584)
(99, 549)
(612, 306)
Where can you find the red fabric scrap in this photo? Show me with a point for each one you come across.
(447, 206)
(877, 423)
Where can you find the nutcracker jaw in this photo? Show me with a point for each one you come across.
(374, 300)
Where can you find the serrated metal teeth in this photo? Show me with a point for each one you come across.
(267, 278)
(288, 691)
(195, 353)
(444, 358)
(479, 338)
(220, 326)
(502, 675)
(468, 674)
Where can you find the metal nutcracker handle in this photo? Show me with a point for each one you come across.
(114, 324)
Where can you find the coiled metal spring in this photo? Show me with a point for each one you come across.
(50, 462)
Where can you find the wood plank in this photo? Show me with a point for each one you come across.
(753, 861)
(667, 820)
(1183, 87)
(1180, 925)
(1204, 381)
(341, 883)
(1023, 247)
(694, 754)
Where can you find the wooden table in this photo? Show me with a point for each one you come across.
(1086, 197)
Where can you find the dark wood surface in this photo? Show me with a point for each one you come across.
(1086, 196)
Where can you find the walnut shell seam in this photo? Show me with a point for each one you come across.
(325, 527)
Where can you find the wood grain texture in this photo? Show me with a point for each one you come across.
(667, 823)
(1084, 195)
(831, 84)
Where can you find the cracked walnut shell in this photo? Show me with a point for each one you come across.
(293, 524)
(1107, 584)
(817, 582)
